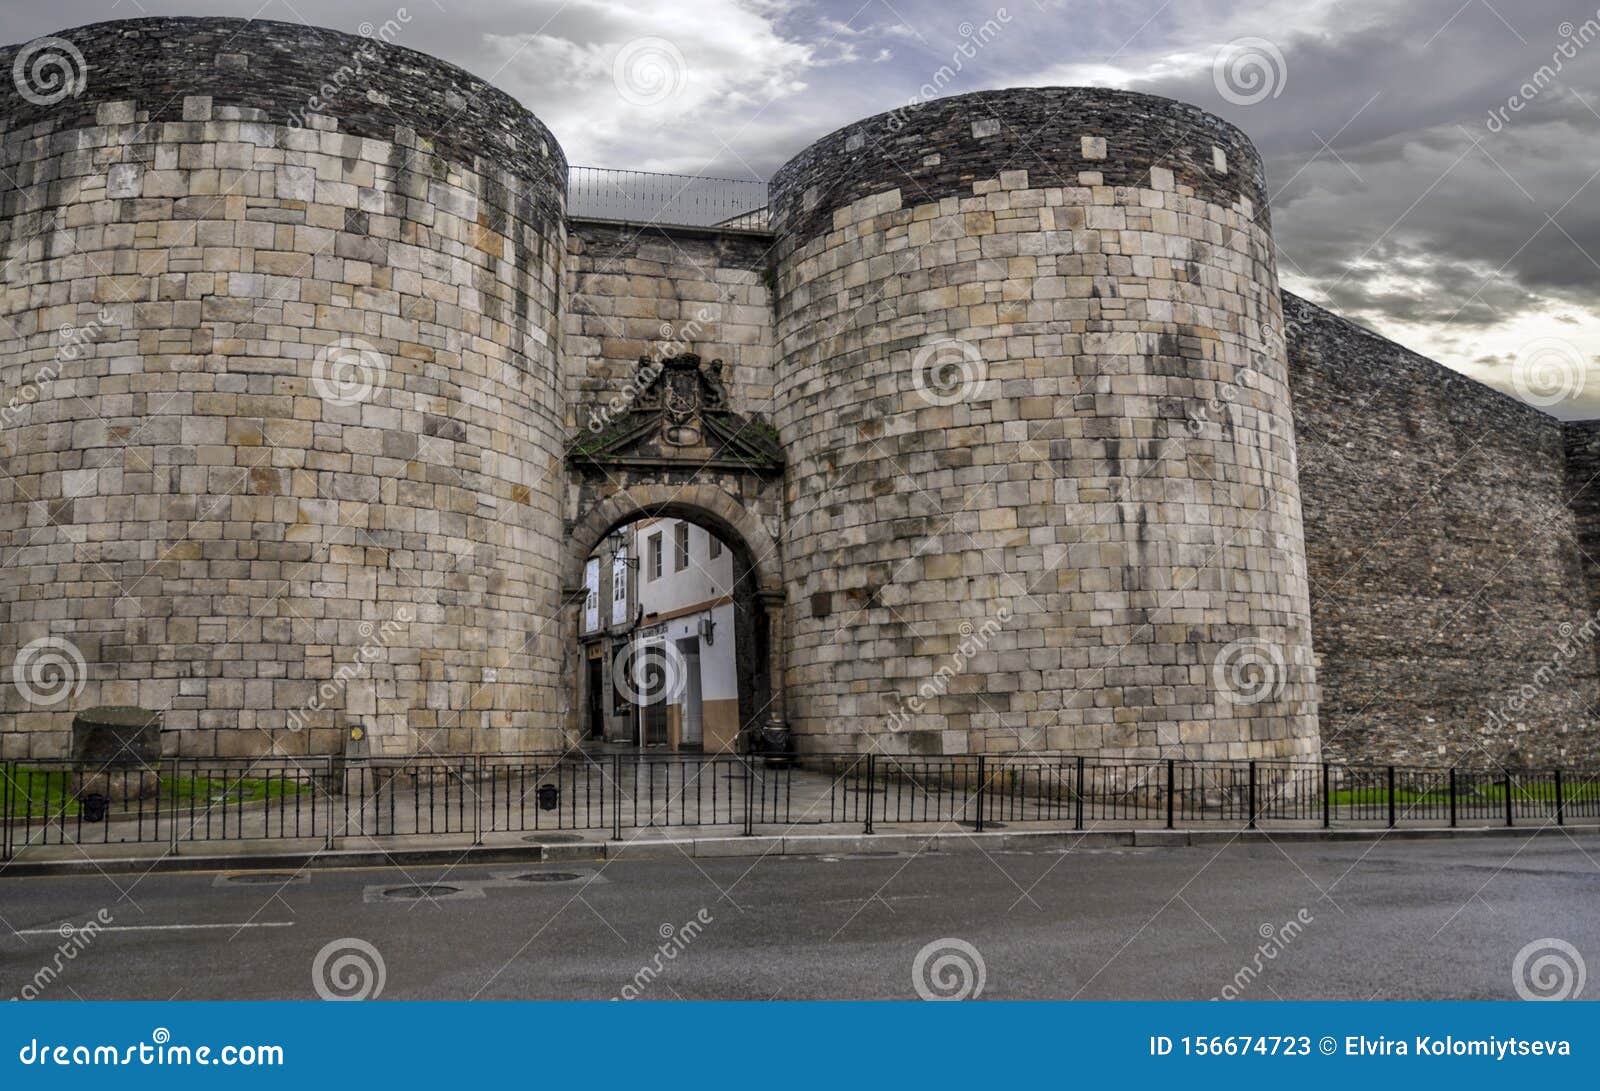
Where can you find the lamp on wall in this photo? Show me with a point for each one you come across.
(708, 630)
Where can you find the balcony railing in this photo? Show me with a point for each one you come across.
(670, 199)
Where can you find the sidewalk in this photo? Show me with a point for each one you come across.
(835, 839)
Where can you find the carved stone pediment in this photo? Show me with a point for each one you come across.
(675, 412)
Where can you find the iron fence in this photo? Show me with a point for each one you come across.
(671, 199)
(323, 800)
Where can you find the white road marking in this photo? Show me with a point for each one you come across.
(157, 927)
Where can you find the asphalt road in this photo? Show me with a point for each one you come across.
(1399, 920)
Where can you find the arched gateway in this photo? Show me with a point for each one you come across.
(675, 449)
(1003, 436)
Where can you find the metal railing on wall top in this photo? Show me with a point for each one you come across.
(649, 197)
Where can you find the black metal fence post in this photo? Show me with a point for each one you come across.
(1172, 790)
(1251, 824)
(1510, 814)
(10, 772)
(172, 802)
(871, 791)
(1077, 819)
(616, 788)
(1327, 799)
(1561, 818)
(1452, 797)
(978, 825)
(1390, 793)
(477, 800)
(328, 791)
(749, 792)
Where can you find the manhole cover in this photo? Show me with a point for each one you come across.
(547, 877)
(987, 825)
(418, 893)
(553, 838)
(262, 878)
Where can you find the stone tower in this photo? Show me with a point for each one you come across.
(291, 462)
(1031, 385)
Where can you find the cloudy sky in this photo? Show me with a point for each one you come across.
(1430, 181)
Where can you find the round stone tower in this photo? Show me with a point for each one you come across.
(1032, 388)
(282, 456)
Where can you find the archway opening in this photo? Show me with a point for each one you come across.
(672, 637)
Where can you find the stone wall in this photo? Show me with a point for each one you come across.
(1031, 387)
(291, 460)
(632, 291)
(1581, 440)
(1447, 600)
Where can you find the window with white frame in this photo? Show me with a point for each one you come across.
(591, 595)
(619, 587)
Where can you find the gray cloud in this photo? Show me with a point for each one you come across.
(1395, 202)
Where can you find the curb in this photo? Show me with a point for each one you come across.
(810, 844)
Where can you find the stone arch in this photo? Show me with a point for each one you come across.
(758, 581)
(710, 507)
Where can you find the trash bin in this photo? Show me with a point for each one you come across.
(92, 807)
(549, 797)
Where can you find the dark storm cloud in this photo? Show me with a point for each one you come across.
(1396, 200)
(1394, 191)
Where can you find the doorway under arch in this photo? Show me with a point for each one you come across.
(755, 593)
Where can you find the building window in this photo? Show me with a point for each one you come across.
(713, 547)
(680, 552)
(619, 587)
(655, 556)
(591, 595)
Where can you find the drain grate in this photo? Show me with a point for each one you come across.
(553, 838)
(547, 877)
(418, 893)
(262, 878)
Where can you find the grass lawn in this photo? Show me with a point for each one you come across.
(1544, 790)
(39, 792)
